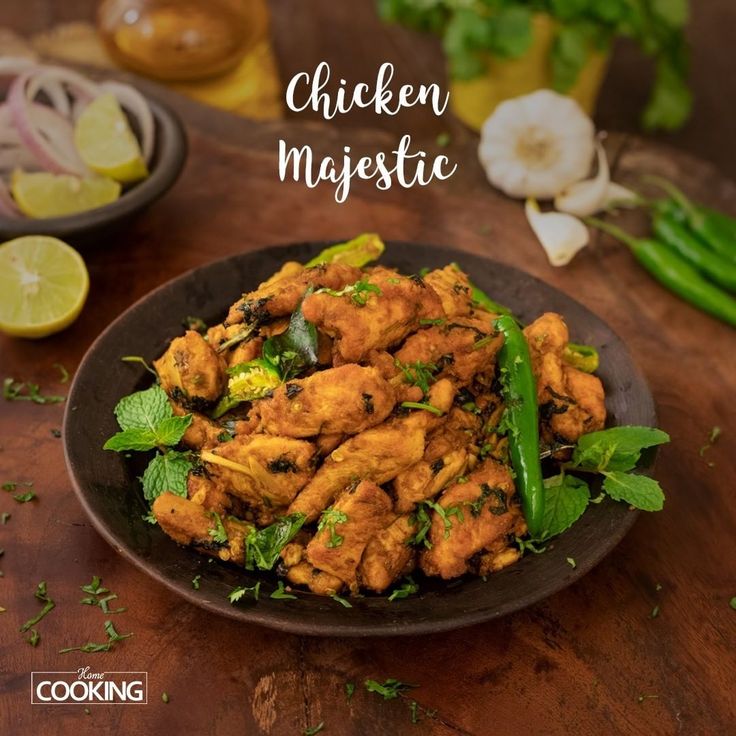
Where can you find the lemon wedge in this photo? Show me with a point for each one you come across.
(40, 194)
(43, 286)
(106, 143)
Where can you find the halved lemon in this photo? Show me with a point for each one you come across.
(106, 143)
(40, 194)
(43, 286)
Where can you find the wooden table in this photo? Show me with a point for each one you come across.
(590, 660)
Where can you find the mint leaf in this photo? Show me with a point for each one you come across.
(262, 546)
(170, 430)
(143, 409)
(131, 439)
(618, 448)
(166, 473)
(566, 498)
(637, 490)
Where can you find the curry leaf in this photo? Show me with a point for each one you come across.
(293, 351)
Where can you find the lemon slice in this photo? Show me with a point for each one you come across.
(106, 143)
(41, 194)
(43, 286)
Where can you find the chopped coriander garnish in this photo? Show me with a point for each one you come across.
(25, 391)
(329, 519)
(24, 497)
(280, 593)
(11, 485)
(417, 373)
(218, 532)
(571, 562)
(224, 437)
(195, 581)
(358, 292)
(527, 545)
(34, 638)
(64, 373)
(195, 323)
(312, 730)
(443, 139)
(732, 603)
(342, 601)
(655, 612)
(407, 589)
(165, 697)
(55, 433)
(388, 690)
(436, 321)
(95, 587)
(237, 593)
(420, 405)
(48, 605)
(445, 514)
(91, 647)
(642, 698)
(349, 690)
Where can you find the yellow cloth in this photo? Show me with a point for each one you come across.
(252, 89)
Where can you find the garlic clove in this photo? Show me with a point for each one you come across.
(620, 196)
(562, 235)
(585, 198)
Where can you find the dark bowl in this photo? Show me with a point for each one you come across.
(88, 228)
(106, 483)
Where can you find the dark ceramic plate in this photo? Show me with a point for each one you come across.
(107, 487)
(92, 227)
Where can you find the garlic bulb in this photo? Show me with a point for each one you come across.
(560, 234)
(536, 145)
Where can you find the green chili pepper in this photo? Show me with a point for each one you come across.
(675, 273)
(582, 357)
(356, 252)
(519, 390)
(715, 267)
(715, 229)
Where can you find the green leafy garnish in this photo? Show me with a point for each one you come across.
(90, 647)
(330, 517)
(281, 594)
(139, 359)
(566, 498)
(390, 689)
(195, 581)
(420, 405)
(262, 546)
(417, 373)
(218, 531)
(639, 491)
(237, 593)
(24, 497)
(167, 472)
(409, 587)
(294, 350)
(195, 323)
(358, 292)
(96, 590)
(34, 638)
(147, 421)
(618, 448)
(25, 391)
(63, 373)
(48, 605)
(312, 730)
(342, 601)
(350, 688)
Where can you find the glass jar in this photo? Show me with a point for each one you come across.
(181, 40)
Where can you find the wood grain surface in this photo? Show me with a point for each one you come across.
(590, 660)
(577, 663)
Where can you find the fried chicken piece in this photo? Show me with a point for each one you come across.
(264, 471)
(388, 555)
(344, 400)
(380, 312)
(191, 372)
(281, 296)
(326, 443)
(188, 523)
(459, 349)
(208, 493)
(427, 478)
(201, 432)
(390, 369)
(453, 289)
(378, 454)
(318, 581)
(571, 403)
(484, 514)
(358, 513)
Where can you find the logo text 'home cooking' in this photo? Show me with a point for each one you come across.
(89, 687)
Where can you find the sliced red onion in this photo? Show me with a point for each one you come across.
(133, 101)
(17, 157)
(78, 85)
(12, 65)
(53, 90)
(27, 123)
